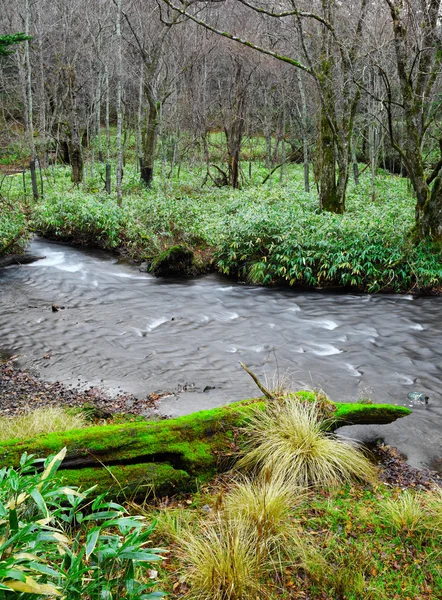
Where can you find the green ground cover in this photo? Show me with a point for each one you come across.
(262, 234)
(349, 546)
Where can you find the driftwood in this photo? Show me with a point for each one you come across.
(18, 259)
(167, 456)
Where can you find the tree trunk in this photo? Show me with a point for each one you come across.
(30, 119)
(150, 142)
(328, 193)
(119, 106)
(32, 168)
(429, 217)
(75, 157)
(354, 161)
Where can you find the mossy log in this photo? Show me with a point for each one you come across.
(163, 457)
(177, 261)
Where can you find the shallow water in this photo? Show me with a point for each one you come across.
(126, 330)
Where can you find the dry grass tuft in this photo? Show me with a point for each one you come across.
(222, 562)
(415, 514)
(39, 422)
(288, 439)
(266, 503)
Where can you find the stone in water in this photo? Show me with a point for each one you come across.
(418, 397)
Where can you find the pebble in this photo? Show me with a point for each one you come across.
(22, 391)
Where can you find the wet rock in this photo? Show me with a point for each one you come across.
(56, 308)
(418, 397)
(19, 259)
(145, 267)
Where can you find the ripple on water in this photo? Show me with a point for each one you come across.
(324, 324)
(225, 316)
(325, 350)
(405, 379)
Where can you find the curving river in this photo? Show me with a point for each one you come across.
(125, 330)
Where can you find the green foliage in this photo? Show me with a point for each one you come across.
(50, 545)
(13, 227)
(414, 514)
(265, 235)
(370, 247)
(6, 41)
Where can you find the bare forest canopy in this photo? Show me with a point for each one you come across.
(327, 83)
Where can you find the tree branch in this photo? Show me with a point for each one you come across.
(241, 41)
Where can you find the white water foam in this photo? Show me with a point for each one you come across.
(157, 322)
(326, 350)
(352, 370)
(55, 259)
(226, 316)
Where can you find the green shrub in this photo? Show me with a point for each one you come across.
(13, 228)
(52, 543)
(265, 235)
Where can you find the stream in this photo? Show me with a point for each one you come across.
(127, 331)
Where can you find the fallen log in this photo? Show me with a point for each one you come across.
(18, 259)
(162, 457)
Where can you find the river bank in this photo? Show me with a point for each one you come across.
(22, 391)
(261, 235)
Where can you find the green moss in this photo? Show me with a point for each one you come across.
(191, 441)
(174, 452)
(368, 414)
(129, 481)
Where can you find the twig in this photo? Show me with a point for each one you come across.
(264, 390)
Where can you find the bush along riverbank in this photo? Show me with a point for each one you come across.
(260, 234)
(14, 228)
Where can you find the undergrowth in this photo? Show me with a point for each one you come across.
(342, 547)
(263, 234)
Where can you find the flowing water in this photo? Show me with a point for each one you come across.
(125, 330)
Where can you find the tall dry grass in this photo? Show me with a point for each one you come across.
(39, 422)
(289, 439)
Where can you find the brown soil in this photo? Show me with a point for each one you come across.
(11, 169)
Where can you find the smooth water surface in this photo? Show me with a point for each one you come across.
(126, 330)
